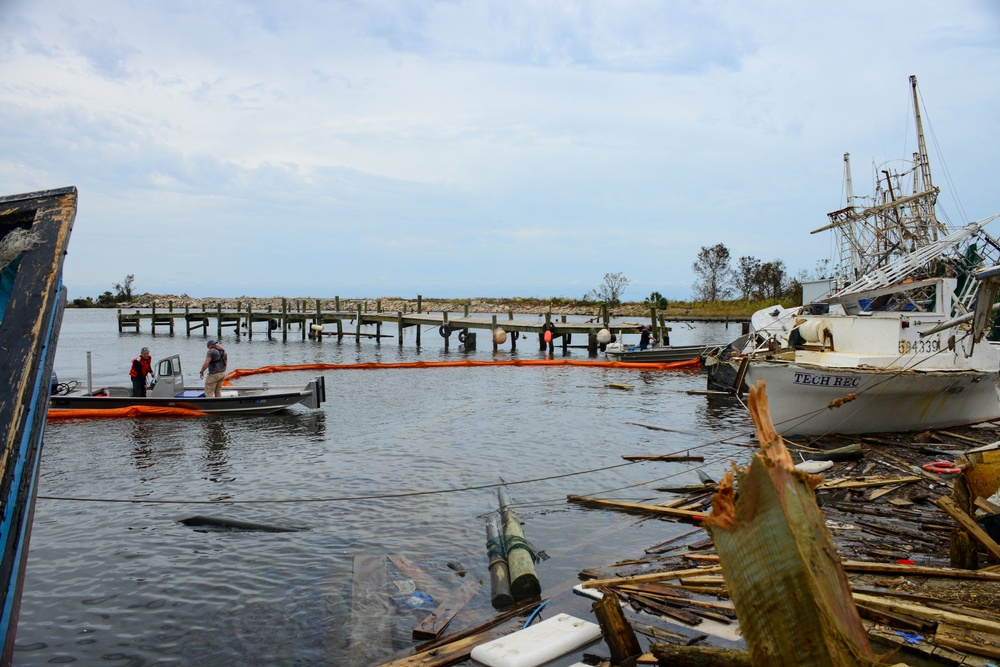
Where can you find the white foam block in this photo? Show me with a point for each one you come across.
(537, 644)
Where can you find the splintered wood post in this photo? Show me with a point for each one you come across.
(523, 580)
(500, 594)
(615, 628)
(781, 566)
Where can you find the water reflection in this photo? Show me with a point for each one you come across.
(721, 414)
(217, 450)
(143, 443)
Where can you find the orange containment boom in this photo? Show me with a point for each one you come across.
(676, 365)
(130, 411)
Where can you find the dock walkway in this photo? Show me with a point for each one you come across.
(313, 321)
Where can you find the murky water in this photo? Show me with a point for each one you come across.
(397, 462)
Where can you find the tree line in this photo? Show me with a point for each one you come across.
(751, 278)
(122, 293)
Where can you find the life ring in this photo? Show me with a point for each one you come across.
(515, 334)
(272, 324)
(461, 336)
(942, 468)
(548, 326)
(444, 330)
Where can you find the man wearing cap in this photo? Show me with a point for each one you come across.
(141, 367)
(215, 363)
(646, 337)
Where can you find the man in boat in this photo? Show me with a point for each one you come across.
(215, 363)
(646, 337)
(142, 366)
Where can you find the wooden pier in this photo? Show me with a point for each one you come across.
(312, 320)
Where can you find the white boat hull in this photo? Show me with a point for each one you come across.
(800, 397)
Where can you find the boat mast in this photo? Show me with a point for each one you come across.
(925, 165)
(893, 223)
(850, 255)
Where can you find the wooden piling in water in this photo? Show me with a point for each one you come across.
(520, 561)
(500, 594)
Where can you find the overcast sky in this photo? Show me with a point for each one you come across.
(474, 149)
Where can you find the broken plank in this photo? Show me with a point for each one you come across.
(969, 525)
(919, 570)
(969, 641)
(653, 576)
(885, 603)
(635, 507)
(863, 483)
(875, 495)
(680, 615)
(987, 506)
(434, 624)
(964, 437)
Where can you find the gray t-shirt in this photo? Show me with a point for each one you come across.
(218, 358)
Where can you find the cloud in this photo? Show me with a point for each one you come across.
(515, 148)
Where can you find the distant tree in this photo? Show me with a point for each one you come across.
(714, 274)
(822, 270)
(81, 302)
(746, 275)
(124, 288)
(106, 299)
(772, 280)
(611, 290)
(656, 299)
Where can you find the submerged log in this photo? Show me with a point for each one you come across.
(520, 559)
(790, 591)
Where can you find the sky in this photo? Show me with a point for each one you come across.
(469, 149)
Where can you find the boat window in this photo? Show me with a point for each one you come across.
(163, 368)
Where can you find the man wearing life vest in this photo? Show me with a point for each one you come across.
(141, 367)
(215, 363)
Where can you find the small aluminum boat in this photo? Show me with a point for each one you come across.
(170, 391)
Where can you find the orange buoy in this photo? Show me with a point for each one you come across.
(548, 336)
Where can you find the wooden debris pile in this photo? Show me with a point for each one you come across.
(898, 516)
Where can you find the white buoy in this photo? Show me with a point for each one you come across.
(603, 336)
(317, 327)
(499, 336)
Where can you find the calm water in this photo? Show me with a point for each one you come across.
(124, 583)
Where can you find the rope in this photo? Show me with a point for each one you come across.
(332, 499)
(16, 242)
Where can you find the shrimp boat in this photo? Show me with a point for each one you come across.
(900, 345)
(34, 236)
(170, 391)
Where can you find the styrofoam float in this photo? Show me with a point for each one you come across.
(538, 643)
